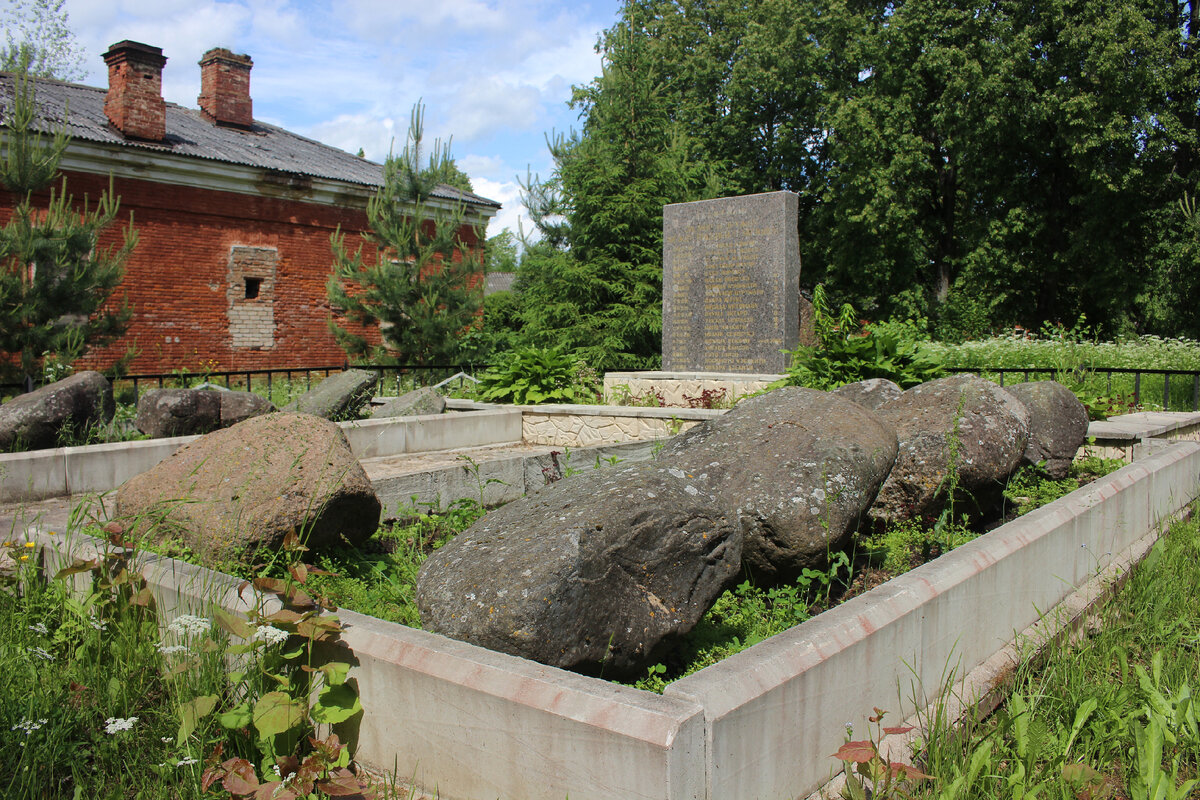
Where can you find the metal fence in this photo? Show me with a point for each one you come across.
(281, 383)
(1177, 389)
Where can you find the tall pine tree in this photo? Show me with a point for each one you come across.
(56, 277)
(423, 289)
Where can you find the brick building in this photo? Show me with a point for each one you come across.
(233, 215)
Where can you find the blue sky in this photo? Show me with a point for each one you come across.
(493, 74)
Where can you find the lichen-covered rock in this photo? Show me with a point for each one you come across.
(962, 423)
(240, 406)
(40, 418)
(871, 393)
(338, 397)
(1058, 425)
(411, 404)
(591, 573)
(798, 468)
(178, 412)
(240, 490)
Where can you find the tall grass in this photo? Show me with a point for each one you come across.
(1110, 716)
(1071, 356)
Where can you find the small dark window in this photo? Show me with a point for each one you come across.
(252, 286)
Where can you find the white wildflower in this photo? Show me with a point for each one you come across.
(166, 739)
(168, 649)
(39, 628)
(41, 653)
(271, 635)
(97, 624)
(186, 762)
(28, 726)
(189, 625)
(118, 724)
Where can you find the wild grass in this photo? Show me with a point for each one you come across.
(106, 699)
(1109, 715)
(1071, 356)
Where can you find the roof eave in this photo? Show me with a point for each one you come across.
(173, 169)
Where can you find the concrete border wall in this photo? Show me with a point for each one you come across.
(1129, 436)
(775, 712)
(677, 387)
(40, 474)
(471, 723)
(578, 425)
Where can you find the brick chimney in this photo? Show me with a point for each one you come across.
(225, 88)
(134, 102)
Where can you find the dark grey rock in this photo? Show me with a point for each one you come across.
(593, 573)
(240, 406)
(871, 393)
(411, 404)
(42, 417)
(338, 397)
(731, 284)
(1058, 425)
(988, 428)
(178, 412)
(797, 467)
(240, 490)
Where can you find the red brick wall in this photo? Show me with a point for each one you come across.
(177, 279)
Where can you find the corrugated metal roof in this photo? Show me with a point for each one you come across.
(190, 134)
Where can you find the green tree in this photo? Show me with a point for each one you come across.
(39, 41)
(980, 163)
(592, 284)
(56, 276)
(422, 288)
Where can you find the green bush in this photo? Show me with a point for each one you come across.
(850, 351)
(531, 375)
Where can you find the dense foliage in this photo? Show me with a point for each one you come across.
(975, 163)
(422, 289)
(848, 351)
(56, 278)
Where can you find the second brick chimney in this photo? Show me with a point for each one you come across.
(134, 103)
(225, 88)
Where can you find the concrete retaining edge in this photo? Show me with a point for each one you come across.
(41, 474)
(775, 712)
(471, 723)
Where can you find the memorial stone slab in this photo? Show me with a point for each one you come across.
(731, 284)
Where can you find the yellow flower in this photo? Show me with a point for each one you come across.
(29, 544)
(8, 544)
(24, 558)
(52, 533)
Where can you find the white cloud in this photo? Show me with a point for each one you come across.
(508, 194)
(489, 104)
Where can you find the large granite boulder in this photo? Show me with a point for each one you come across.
(593, 573)
(184, 412)
(798, 468)
(871, 393)
(962, 422)
(338, 397)
(42, 417)
(1058, 425)
(411, 404)
(240, 490)
(178, 412)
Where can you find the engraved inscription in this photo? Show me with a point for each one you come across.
(730, 278)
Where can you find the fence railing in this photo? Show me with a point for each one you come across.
(279, 381)
(1178, 389)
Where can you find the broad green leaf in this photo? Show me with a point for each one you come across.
(276, 712)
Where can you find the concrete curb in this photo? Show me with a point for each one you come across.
(471, 723)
